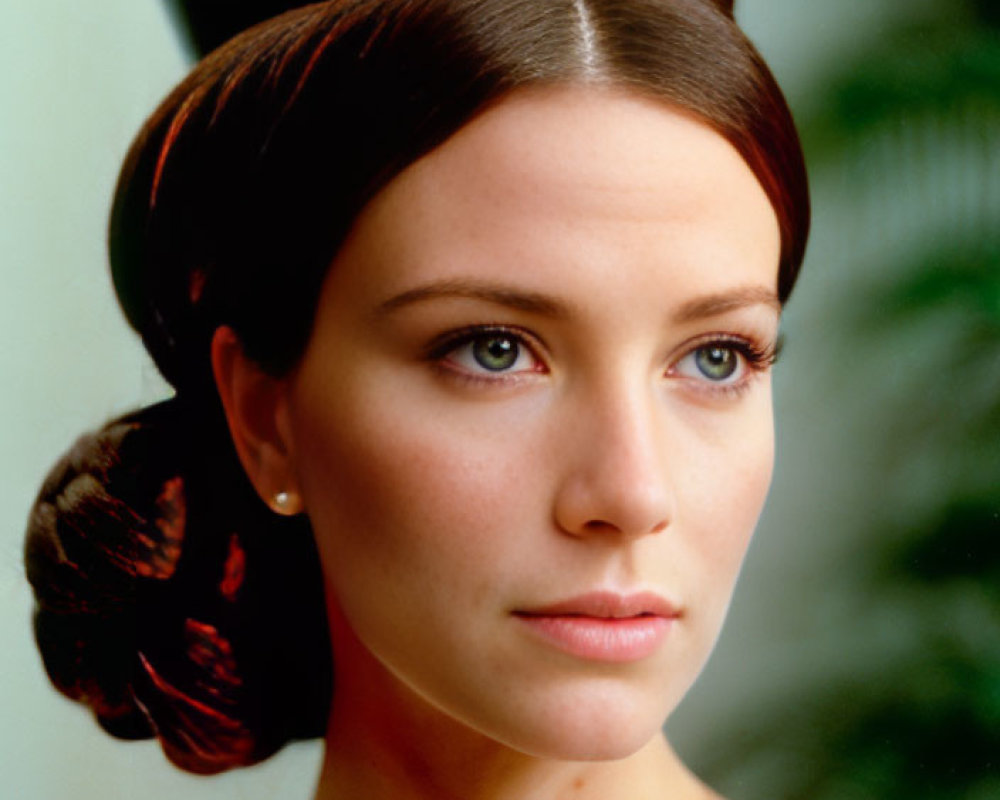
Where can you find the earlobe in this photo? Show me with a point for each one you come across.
(255, 405)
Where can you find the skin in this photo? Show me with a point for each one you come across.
(611, 237)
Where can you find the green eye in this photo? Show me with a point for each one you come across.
(489, 353)
(495, 353)
(716, 363)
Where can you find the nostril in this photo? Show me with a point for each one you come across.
(598, 525)
(602, 526)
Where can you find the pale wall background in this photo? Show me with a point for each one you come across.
(76, 80)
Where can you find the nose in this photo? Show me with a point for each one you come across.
(615, 478)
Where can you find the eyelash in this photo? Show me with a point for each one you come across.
(447, 344)
(754, 359)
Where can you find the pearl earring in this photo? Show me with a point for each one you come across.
(281, 500)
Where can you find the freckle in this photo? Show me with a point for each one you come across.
(578, 784)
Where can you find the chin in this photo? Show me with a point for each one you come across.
(582, 731)
(593, 743)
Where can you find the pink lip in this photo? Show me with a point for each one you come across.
(604, 626)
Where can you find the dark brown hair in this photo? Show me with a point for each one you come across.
(168, 597)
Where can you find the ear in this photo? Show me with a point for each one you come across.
(256, 408)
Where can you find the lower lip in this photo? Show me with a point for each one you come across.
(601, 639)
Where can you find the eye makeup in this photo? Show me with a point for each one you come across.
(487, 354)
(723, 365)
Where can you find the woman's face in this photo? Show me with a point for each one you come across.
(532, 428)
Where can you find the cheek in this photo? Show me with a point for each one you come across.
(417, 500)
(723, 495)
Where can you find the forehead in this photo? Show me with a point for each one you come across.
(552, 180)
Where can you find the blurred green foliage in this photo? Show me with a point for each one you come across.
(933, 65)
(925, 723)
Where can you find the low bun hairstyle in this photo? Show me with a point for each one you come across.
(171, 603)
(169, 598)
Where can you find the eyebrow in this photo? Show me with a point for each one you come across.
(702, 307)
(713, 305)
(532, 302)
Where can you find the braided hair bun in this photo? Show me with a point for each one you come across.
(156, 606)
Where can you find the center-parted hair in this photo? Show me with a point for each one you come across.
(169, 598)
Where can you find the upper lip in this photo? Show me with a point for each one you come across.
(606, 605)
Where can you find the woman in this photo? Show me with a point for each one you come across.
(469, 308)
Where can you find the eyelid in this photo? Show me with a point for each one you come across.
(754, 360)
(762, 355)
(440, 347)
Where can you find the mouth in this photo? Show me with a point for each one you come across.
(603, 626)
